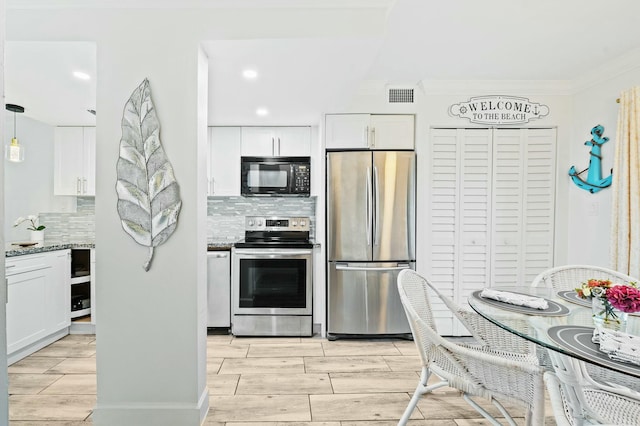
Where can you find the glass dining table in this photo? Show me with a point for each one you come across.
(566, 326)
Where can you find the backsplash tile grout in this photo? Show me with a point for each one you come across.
(225, 217)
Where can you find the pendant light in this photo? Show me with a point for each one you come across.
(14, 152)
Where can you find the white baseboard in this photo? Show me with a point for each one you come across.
(152, 414)
(82, 328)
(36, 346)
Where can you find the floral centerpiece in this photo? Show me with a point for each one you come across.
(33, 219)
(611, 302)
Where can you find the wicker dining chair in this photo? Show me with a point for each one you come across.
(477, 370)
(604, 407)
(569, 277)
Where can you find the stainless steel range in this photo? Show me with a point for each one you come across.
(271, 278)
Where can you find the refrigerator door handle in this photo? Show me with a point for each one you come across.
(347, 267)
(369, 212)
(376, 203)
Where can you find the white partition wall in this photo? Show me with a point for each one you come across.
(4, 382)
(151, 335)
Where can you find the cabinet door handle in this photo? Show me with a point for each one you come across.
(273, 146)
(366, 135)
(373, 137)
(84, 186)
(278, 146)
(78, 186)
(213, 186)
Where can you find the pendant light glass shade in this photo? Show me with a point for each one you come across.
(13, 151)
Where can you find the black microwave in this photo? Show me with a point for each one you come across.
(275, 176)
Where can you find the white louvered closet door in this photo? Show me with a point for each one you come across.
(523, 204)
(460, 213)
(491, 204)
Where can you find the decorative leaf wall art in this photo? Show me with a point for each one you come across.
(148, 193)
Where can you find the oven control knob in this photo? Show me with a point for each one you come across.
(294, 223)
(303, 223)
(250, 222)
(259, 222)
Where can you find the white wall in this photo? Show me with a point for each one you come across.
(149, 338)
(29, 185)
(595, 103)
(151, 343)
(582, 219)
(432, 100)
(4, 381)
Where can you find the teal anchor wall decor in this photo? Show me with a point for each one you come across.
(595, 182)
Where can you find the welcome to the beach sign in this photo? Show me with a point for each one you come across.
(499, 110)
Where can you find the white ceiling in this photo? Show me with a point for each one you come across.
(299, 79)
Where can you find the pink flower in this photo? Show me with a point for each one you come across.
(624, 298)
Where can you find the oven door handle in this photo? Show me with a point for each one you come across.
(346, 267)
(280, 252)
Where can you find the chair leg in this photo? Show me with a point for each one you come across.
(484, 412)
(421, 389)
(504, 412)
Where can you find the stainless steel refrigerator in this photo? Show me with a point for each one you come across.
(371, 238)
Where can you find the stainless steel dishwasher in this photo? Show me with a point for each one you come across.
(219, 289)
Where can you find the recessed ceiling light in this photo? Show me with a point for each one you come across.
(262, 111)
(250, 74)
(81, 75)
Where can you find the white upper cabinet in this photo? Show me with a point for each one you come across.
(276, 141)
(293, 141)
(74, 155)
(224, 161)
(369, 131)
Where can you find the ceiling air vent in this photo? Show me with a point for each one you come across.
(400, 96)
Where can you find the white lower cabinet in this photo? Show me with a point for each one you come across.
(37, 301)
(58, 292)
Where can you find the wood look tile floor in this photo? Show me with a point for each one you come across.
(257, 381)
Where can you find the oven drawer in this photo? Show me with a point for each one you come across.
(272, 325)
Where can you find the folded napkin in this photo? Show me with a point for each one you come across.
(619, 346)
(515, 298)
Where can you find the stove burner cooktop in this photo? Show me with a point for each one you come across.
(273, 244)
(275, 232)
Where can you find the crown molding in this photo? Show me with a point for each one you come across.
(464, 87)
(628, 62)
(202, 4)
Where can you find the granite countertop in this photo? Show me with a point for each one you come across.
(15, 250)
(221, 244)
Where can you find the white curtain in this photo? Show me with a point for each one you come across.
(625, 217)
